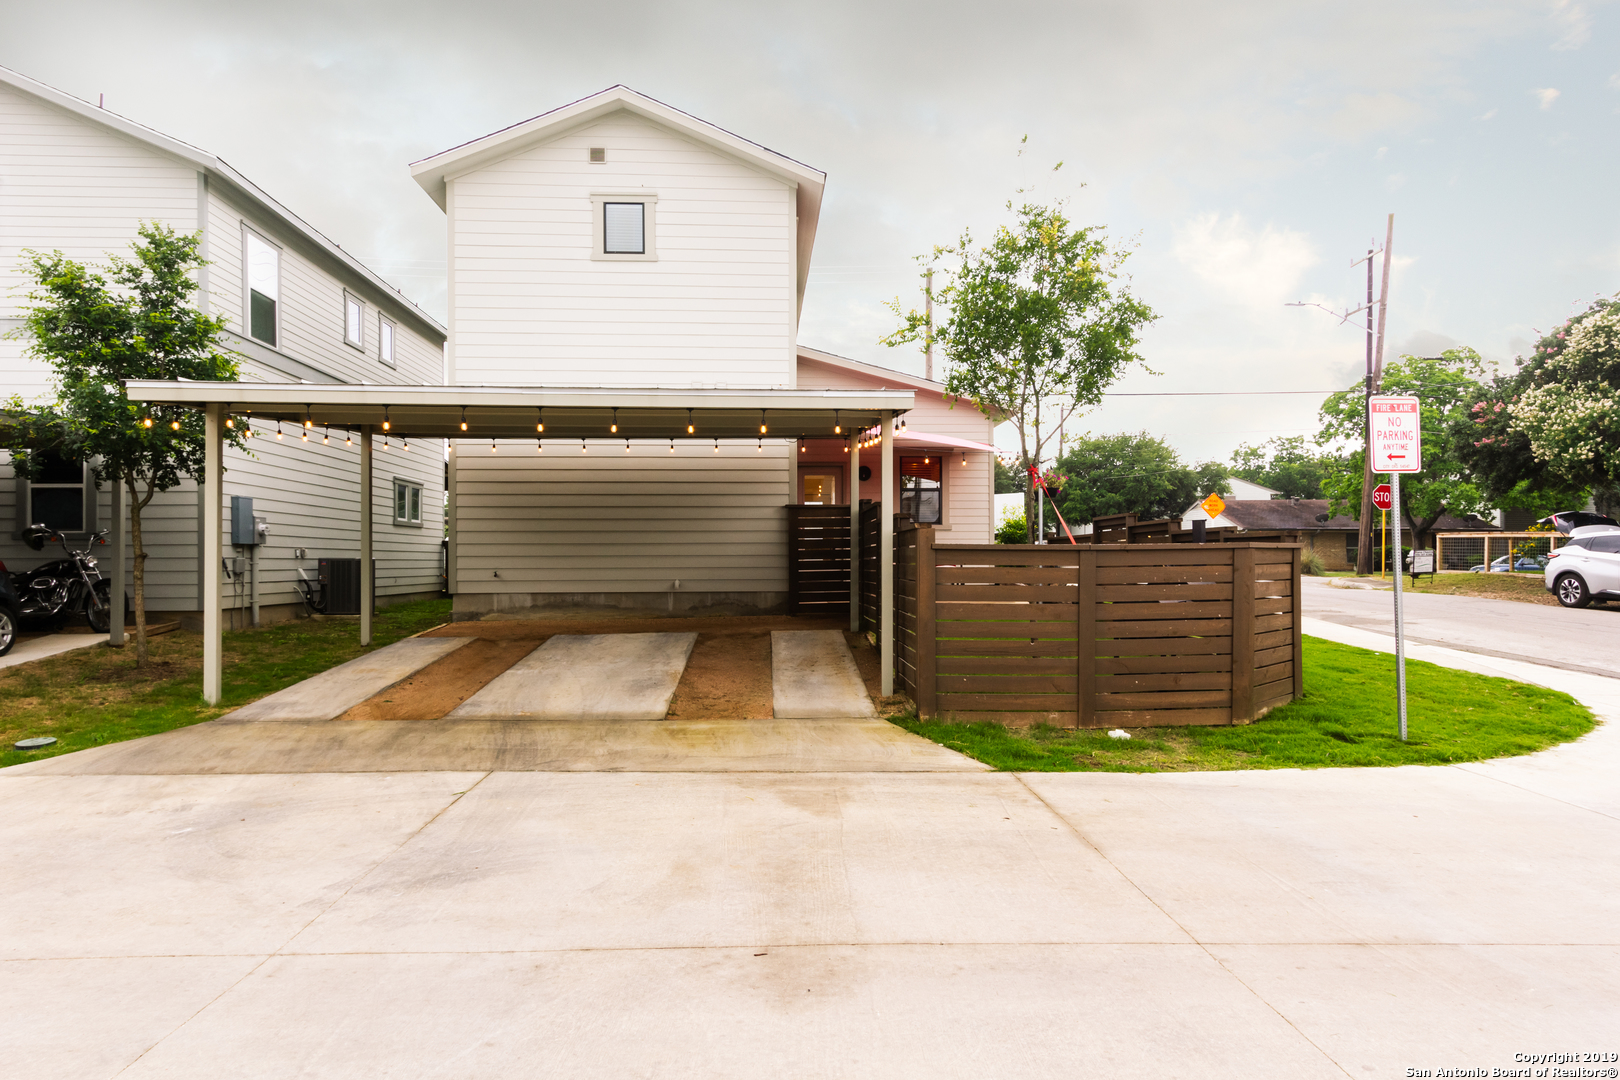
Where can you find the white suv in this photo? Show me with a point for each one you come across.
(1587, 568)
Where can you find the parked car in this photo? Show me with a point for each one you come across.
(1567, 520)
(10, 612)
(1525, 563)
(1585, 569)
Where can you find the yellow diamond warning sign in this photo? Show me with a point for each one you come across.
(1213, 505)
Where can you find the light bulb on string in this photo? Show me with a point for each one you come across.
(614, 427)
(672, 444)
(838, 427)
(386, 423)
(464, 418)
(384, 446)
(761, 447)
(582, 445)
(690, 429)
(327, 438)
(539, 445)
(627, 446)
(762, 421)
(717, 444)
(278, 430)
(308, 423)
(540, 419)
(492, 444)
(349, 441)
(405, 444)
(175, 424)
(230, 422)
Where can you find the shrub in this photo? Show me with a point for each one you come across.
(1012, 531)
(1311, 563)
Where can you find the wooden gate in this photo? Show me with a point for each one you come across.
(818, 560)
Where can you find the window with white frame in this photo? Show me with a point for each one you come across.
(624, 226)
(56, 495)
(385, 341)
(354, 321)
(263, 261)
(407, 502)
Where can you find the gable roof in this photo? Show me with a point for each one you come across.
(432, 172)
(228, 178)
(887, 376)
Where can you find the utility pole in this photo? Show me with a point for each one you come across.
(928, 337)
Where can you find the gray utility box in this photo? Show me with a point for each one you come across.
(243, 533)
(340, 583)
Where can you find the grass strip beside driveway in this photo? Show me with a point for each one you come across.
(96, 695)
(1346, 718)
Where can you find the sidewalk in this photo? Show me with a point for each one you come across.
(38, 648)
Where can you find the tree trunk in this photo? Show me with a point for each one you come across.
(138, 552)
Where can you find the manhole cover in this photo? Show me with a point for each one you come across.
(34, 744)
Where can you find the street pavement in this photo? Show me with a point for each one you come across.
(1579, 639)
(949, 923)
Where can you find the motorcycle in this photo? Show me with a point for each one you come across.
(58, 590)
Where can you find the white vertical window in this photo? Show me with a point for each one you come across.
(264, 290)
(385, 341)
(354, 316)
(407, 502)
(624, 228)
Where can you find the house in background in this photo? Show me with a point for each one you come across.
(79, 179)
(1332, 536)
(621, 243)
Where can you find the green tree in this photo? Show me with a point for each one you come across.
(97, 331)
(1131, 474)
(1036, 324)
(1544, 436)
(1284, 464)
(1446, 385)
(1008, 479)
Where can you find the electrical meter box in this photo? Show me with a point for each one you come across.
(243, 534)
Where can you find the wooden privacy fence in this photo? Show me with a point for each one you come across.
(1106, 635)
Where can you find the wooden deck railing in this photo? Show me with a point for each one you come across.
(1104, 635)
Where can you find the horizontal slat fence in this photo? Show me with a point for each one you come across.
(1121, 635)
(818, 560)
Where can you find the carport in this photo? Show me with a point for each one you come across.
(548, 416)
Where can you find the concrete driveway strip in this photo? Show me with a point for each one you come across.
(333, 693)
(813, 677)
(587, 677)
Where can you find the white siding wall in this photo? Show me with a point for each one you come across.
(67, 184)
(968, 489)
(531, 307)
(611, 522)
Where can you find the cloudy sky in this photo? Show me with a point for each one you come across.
(1247, 151)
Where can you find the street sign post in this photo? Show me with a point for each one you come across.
(1394, 424)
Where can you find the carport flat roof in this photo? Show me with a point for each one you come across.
(513, 412)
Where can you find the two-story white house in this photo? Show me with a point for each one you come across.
(619, 242)
(78, 179)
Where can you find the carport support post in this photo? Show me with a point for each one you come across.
(854, 486)
(115, 569)
(365, 535)
(213, 527)
(886, 560)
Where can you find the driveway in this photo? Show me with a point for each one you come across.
(942, 922)
(1579, 639)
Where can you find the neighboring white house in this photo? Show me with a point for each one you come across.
(79, 179)
(618, 242)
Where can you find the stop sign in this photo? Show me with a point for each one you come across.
(1382, 498)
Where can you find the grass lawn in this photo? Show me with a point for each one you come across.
(1518, 586)
(1347, 717)
(96, 695)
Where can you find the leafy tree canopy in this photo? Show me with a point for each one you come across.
(1131, 474)
(1009, 479)
(1446, 385)
(1036, 324)
(1284, 464)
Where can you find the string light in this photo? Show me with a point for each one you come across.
(464, 418)
(762, 421)
(386, 423)
(964, 457)
(838, 426)
(327, 438)
(539, 445)
(801, 446)
(492, 444)
(690, 430)
(405, 444)
(627, 446)
(278, 430)
(350, 440)
(308, 423)
(230, 422)
(384, 446)
(304, 435)
(761, 447)
(717, 444)
(582, 444)
(147, 422)
(540, 419)
(614, 427)
(672, 444)
(175, 424)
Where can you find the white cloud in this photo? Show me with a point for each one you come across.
(1574, 22)
(1257, 267)
(1546, 96)
(1489, 115)
(1383, 152)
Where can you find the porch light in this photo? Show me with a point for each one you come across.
(614, 427)
(838, 427)
(925, 461)
(964, 457)
(762, 421)
(540, 419)
(386, 424)
(464, 418)
(308, 423)
(690, 430)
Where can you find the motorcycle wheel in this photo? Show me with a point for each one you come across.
(98, 607)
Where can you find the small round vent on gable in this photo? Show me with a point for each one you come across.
(598, 155)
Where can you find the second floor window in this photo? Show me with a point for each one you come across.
(264, 289)
(385, 341)
(624, 228)
(354, 321)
